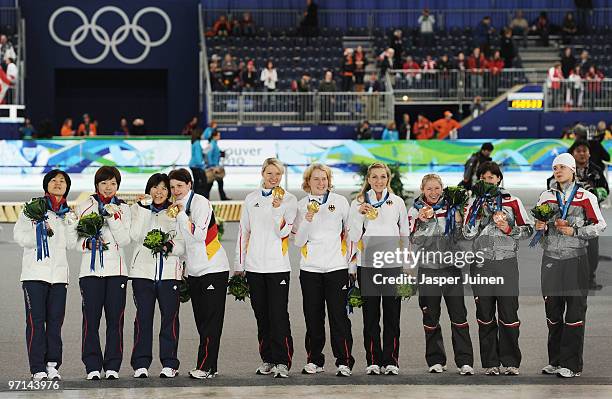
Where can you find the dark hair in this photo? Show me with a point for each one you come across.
(578, 143)
(181, 174)
(155, 179)
(107, 173)
(492, 167)
(486, 147)
(196, 134)
(213, 134)
(51, 175)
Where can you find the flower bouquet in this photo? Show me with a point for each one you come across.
(543, 213)
(36, 211)
(90, 228)
(238, 287)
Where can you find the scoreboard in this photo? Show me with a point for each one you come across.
(526, 101)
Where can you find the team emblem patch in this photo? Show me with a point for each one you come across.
(256, 205)
(332, 207)
(389, 202)
(579, 195)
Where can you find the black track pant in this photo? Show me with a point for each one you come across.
(379, 353)
(430, 299)
(269, 300)
(208, 293)
(565, 288)
(499, 336)
(319, 289)
(593, 254)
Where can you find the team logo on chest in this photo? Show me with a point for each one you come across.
(389, 202)
(331, 207)
(579, 195)
(256, 205)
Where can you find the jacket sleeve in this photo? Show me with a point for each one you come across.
(404, 228)
(197, 228)
(244, 232)
(24, 232)
(137, 225)
(302, 228)
(596, 224)
(71, 234)
(178, 248)
(284, 216)
(356, 222)
(119, 225)
(83, 209)
(469, 168)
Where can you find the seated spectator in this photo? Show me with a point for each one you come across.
(569, 28)
(191, 126)
(405, 127)
(568, 62)
(541, 27)
(229, 70)
(397, 44)
(221, 27)
(248, 78)
(446, 126)
(67, 129)
(373, 85)
(422, 129)
(412, 71)
(390, 133)
(328, 84)
(347, 70)
(506, 48)
(363, 131)
(88, 127)
(428, 63)
(138, 127)
(309, 25)
(360, 66)
(269, 77)
(247, 25)
(483, 34)
(235, 24)
(477, 108)
(426, 29)
(302, 85)
(585, 61)
(27, 130)
(520, 26)
(124, 127)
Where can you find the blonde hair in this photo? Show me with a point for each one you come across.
(308, 174)
(274, 162)
(366, 186)
(429, 177)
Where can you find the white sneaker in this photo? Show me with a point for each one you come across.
(93, 375)
(141, 373)
(549, 369)
(265, 369)
(373, 370)
(111, 375)
(390, 370)
(566, 373)
(437, 368)
(312, 368)
(52, 373)
(40, 376)
(281, 371)
(201, 374)
(512, 371)
(343, 371)
(466, 370)
(168, 372)
(492, 371)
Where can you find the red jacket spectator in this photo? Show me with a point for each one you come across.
(422, 128)
(444, 126)
(593, 78)
(222, 27)
(477, 62)
(495, 65)
(429, 64)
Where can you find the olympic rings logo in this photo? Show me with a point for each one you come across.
(110, 42)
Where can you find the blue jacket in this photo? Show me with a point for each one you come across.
(197, 159)
(214, 155)
(207, 133)
(390, 135)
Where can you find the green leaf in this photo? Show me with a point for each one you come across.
(543, 212)
(36, 209)
(90, 225)
(238, 287)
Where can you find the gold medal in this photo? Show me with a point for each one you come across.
(499, 217)
(371, 214)
(278, 193)
(313, 206)
(428, 212)
(173, 211)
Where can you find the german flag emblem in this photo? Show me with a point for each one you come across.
(389, 202)
(331, 207)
